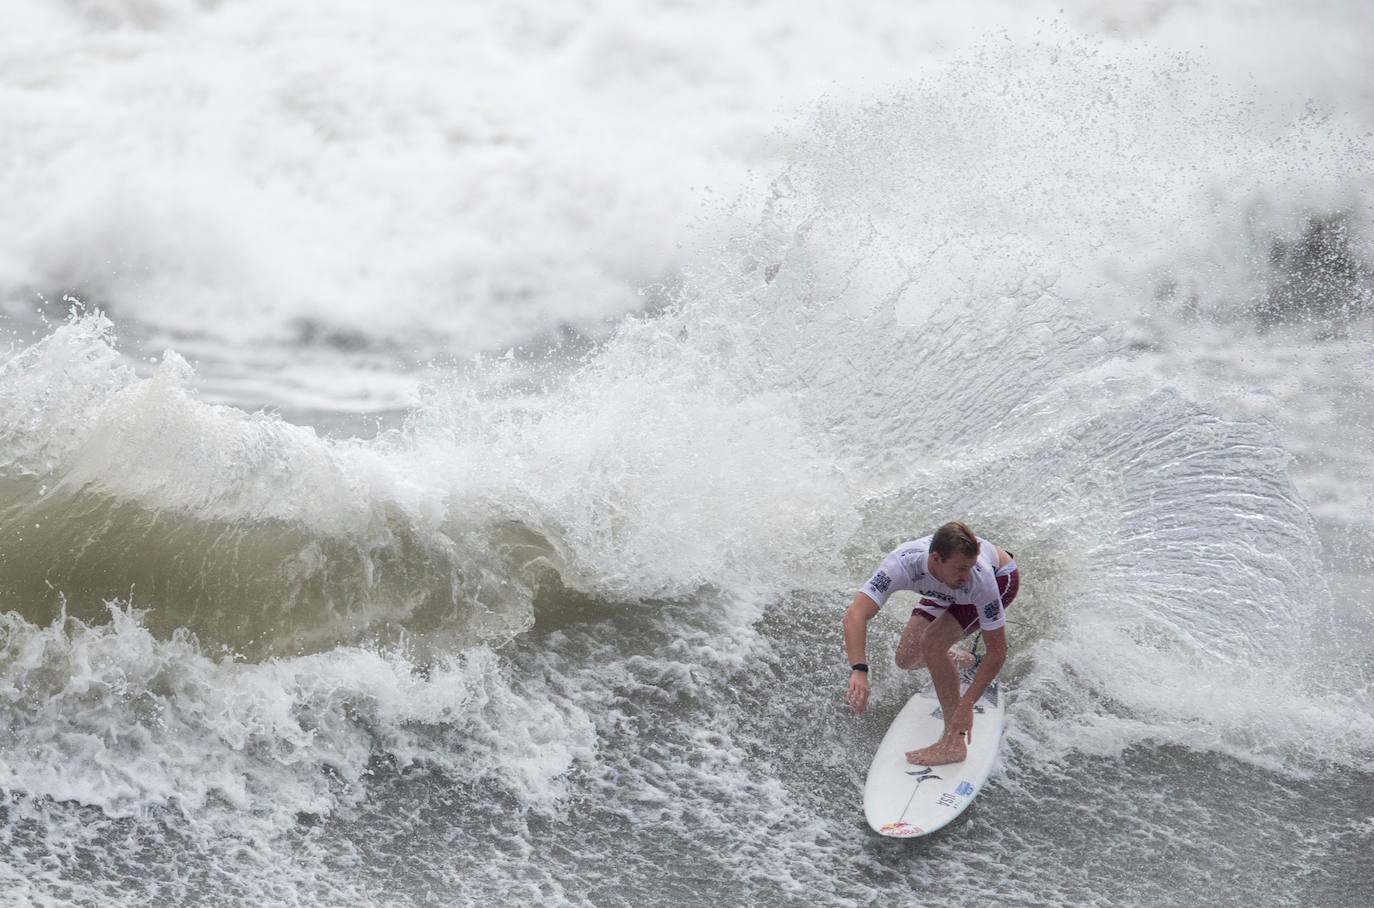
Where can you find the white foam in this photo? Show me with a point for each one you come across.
(474, 175)
(1103, 685)
(114, 718)
(459, 179)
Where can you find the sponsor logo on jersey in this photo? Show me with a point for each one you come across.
(880, 581)
(936, 594)
(991, 609)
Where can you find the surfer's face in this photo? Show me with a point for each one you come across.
(954, 571)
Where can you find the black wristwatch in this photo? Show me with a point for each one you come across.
(859, 667)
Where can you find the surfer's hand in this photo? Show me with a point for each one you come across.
(858, 691)
(961, 723)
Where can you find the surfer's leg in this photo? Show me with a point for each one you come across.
(909, 655)
(941, 635)
(938, 638)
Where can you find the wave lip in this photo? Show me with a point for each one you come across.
(255, 534)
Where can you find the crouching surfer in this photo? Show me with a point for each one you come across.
(963, 581)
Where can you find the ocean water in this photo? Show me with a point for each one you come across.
(438, 442)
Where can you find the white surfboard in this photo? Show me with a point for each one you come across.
(904, 800)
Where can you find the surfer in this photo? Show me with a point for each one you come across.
(963, 581)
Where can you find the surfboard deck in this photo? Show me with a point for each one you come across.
(903, 800)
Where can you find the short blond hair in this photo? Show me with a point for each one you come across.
(954, 538)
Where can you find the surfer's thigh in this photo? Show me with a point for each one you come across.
(944, 632)
(908, 655)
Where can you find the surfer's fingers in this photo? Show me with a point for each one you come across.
(857, 698)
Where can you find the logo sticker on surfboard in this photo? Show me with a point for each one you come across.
(900, 830)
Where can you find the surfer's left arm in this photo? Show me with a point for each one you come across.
(988, 669)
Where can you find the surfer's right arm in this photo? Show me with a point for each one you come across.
(856, 618)
(890, 576)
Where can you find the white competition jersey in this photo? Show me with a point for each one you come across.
(905, 569)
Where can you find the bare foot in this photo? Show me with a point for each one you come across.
(938, 754)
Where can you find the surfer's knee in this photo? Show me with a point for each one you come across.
(909, 657)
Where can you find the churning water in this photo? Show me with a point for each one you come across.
(528, 585)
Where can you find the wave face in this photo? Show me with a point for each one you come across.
(570, 630)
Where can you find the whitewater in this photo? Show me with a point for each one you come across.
(438, 443)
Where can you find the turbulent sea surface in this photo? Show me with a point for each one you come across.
(438, 442)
